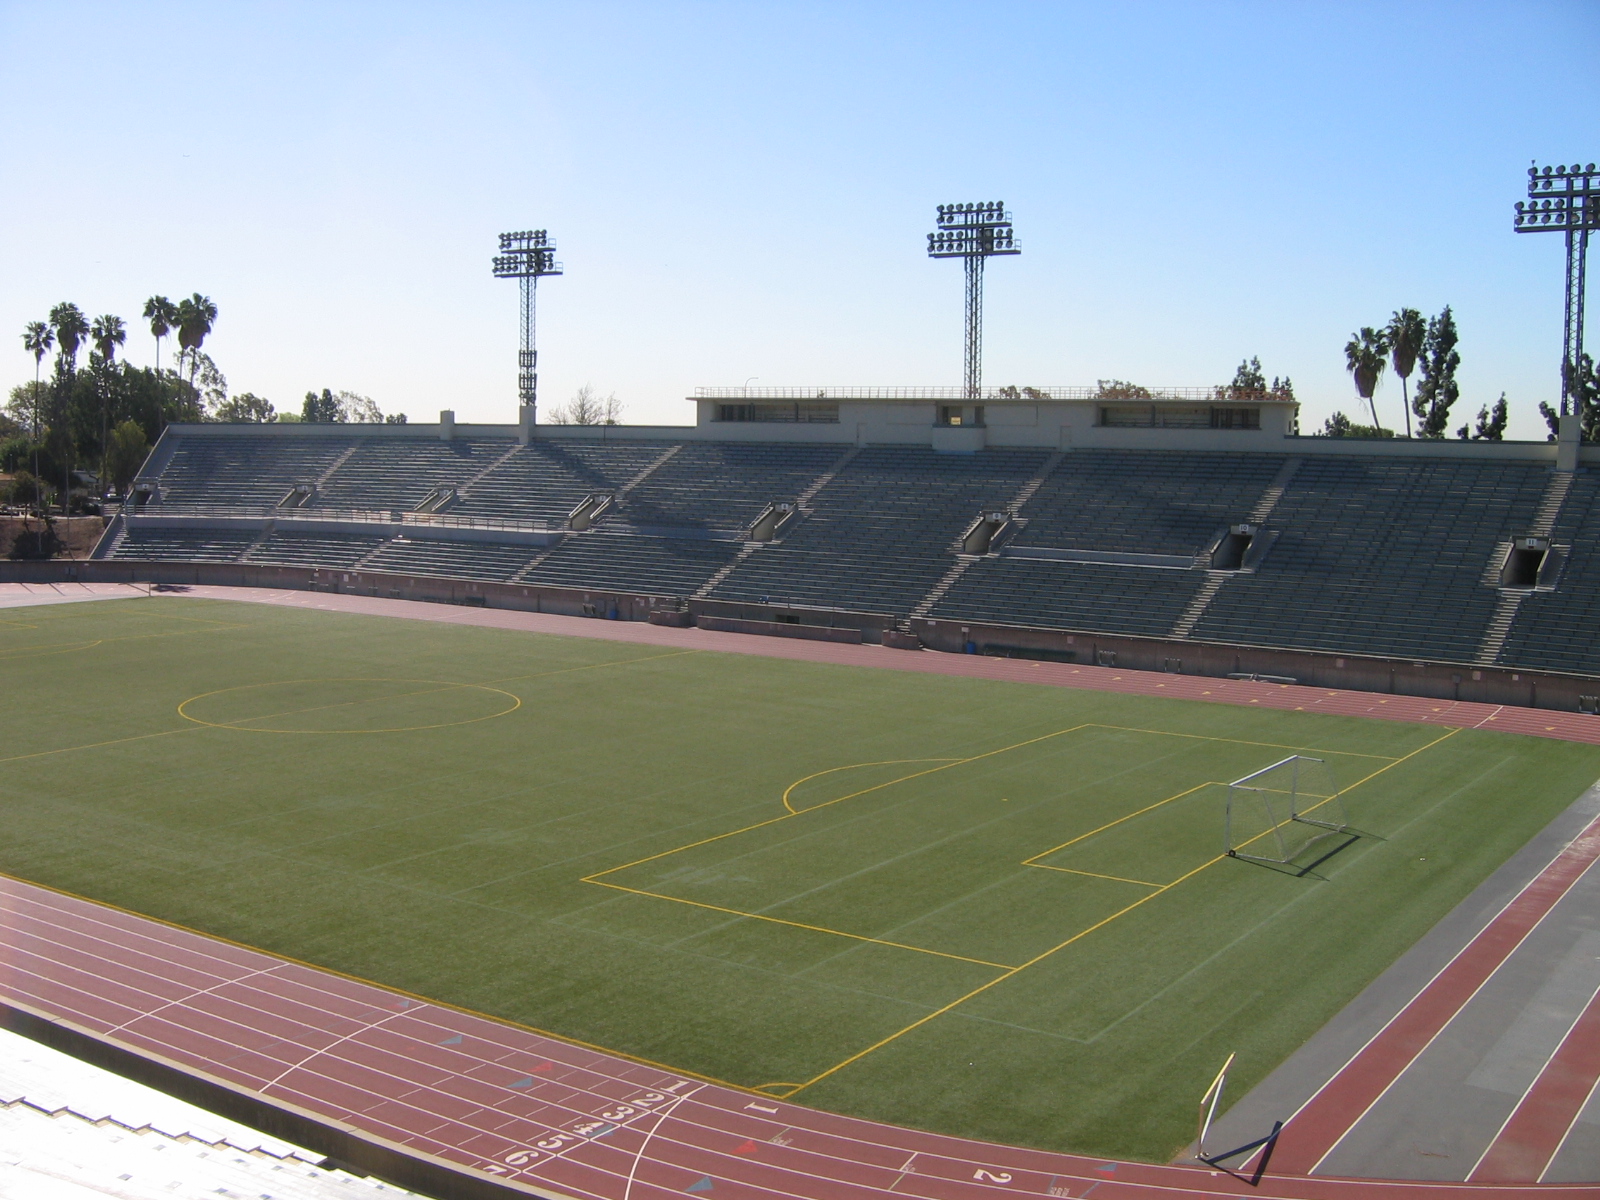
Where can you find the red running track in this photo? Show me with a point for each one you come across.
(525, 1108)
(1312, 1133)
(1531, 1136)
(537, 1112)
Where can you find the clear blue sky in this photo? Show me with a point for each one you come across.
(743, 189)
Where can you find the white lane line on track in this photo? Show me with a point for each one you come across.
(1459, 1009)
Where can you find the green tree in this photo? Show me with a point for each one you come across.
(1584, 388)
(1364, 358)
(107, 332)
(1491, 426)
(125, 454)
(196, 316)
(1437, 390)
(1341, 426)
(163, 317)
(1406, 332)
(72, 330)
(37, 339)
(322, 410)
(245, 408)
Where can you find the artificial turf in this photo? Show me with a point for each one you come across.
(866, 889)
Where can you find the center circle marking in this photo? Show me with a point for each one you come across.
(418, 687)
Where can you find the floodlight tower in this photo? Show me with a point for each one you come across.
(525, 257)
(973, 232)
(1565, 199)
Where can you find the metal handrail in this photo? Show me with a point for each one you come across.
(457, 522)
(1220, 394)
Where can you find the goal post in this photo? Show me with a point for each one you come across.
(1273, 815)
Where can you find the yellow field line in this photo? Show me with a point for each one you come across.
(888, 762)
(1029, 862)
(1093, 874)
(96, 745)
(736, 912)
(955, 762)
(938, 1012)
(386, 987)
(1206, 737)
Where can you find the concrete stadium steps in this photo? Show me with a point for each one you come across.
(399, 474)
(168, 544)
(657, 566)
(879, 535)
(722, 485)
(544, 481)
(494, 561)
(1144, 502)
(1064, 595)
(332, 550)
(242, 471)
(1560, 630)
(1381, 556)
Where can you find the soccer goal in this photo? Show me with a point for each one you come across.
(1273, 815)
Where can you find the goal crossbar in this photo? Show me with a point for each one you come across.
(1277, 808)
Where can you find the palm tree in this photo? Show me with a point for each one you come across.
(162, 315)
(196, 315)
(1364, 356)
(71, 329)
(1406, 331)
(108, 332)
(37, 338)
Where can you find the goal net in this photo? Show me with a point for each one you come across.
(1276, 814)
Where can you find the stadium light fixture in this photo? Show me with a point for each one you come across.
(527, 256)
(1565, 199)
(973, 232)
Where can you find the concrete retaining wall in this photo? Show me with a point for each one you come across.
(1405, 677)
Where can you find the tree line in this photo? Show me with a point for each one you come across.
(1406, 343)
(79, 429)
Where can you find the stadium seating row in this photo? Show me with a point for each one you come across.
(1390, 556)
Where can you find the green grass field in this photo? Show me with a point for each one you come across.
(982, 908)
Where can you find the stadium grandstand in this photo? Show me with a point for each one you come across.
(1172, 534)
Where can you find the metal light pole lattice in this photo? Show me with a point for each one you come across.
(525, 257)
(973, 232)
(1565, 200)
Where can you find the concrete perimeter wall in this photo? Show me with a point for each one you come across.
(1404, 677)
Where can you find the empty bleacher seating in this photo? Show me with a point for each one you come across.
(1144, 502)
(1068, 595)
(658, 566)
(1557, 631)
(1386, 555)
(880, 533)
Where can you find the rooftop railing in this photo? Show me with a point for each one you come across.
(1109, 395)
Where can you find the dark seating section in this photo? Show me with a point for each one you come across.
(656, 566)
(168, 544)
(544, 481)
(386, 473)
(1145, 502)
(1560, 630)
(720, 485)
(1061, 595)
(1374, 555)
(880, 534)
(245, 470)
(289, 549)
(494, 561)
(1381, 556)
